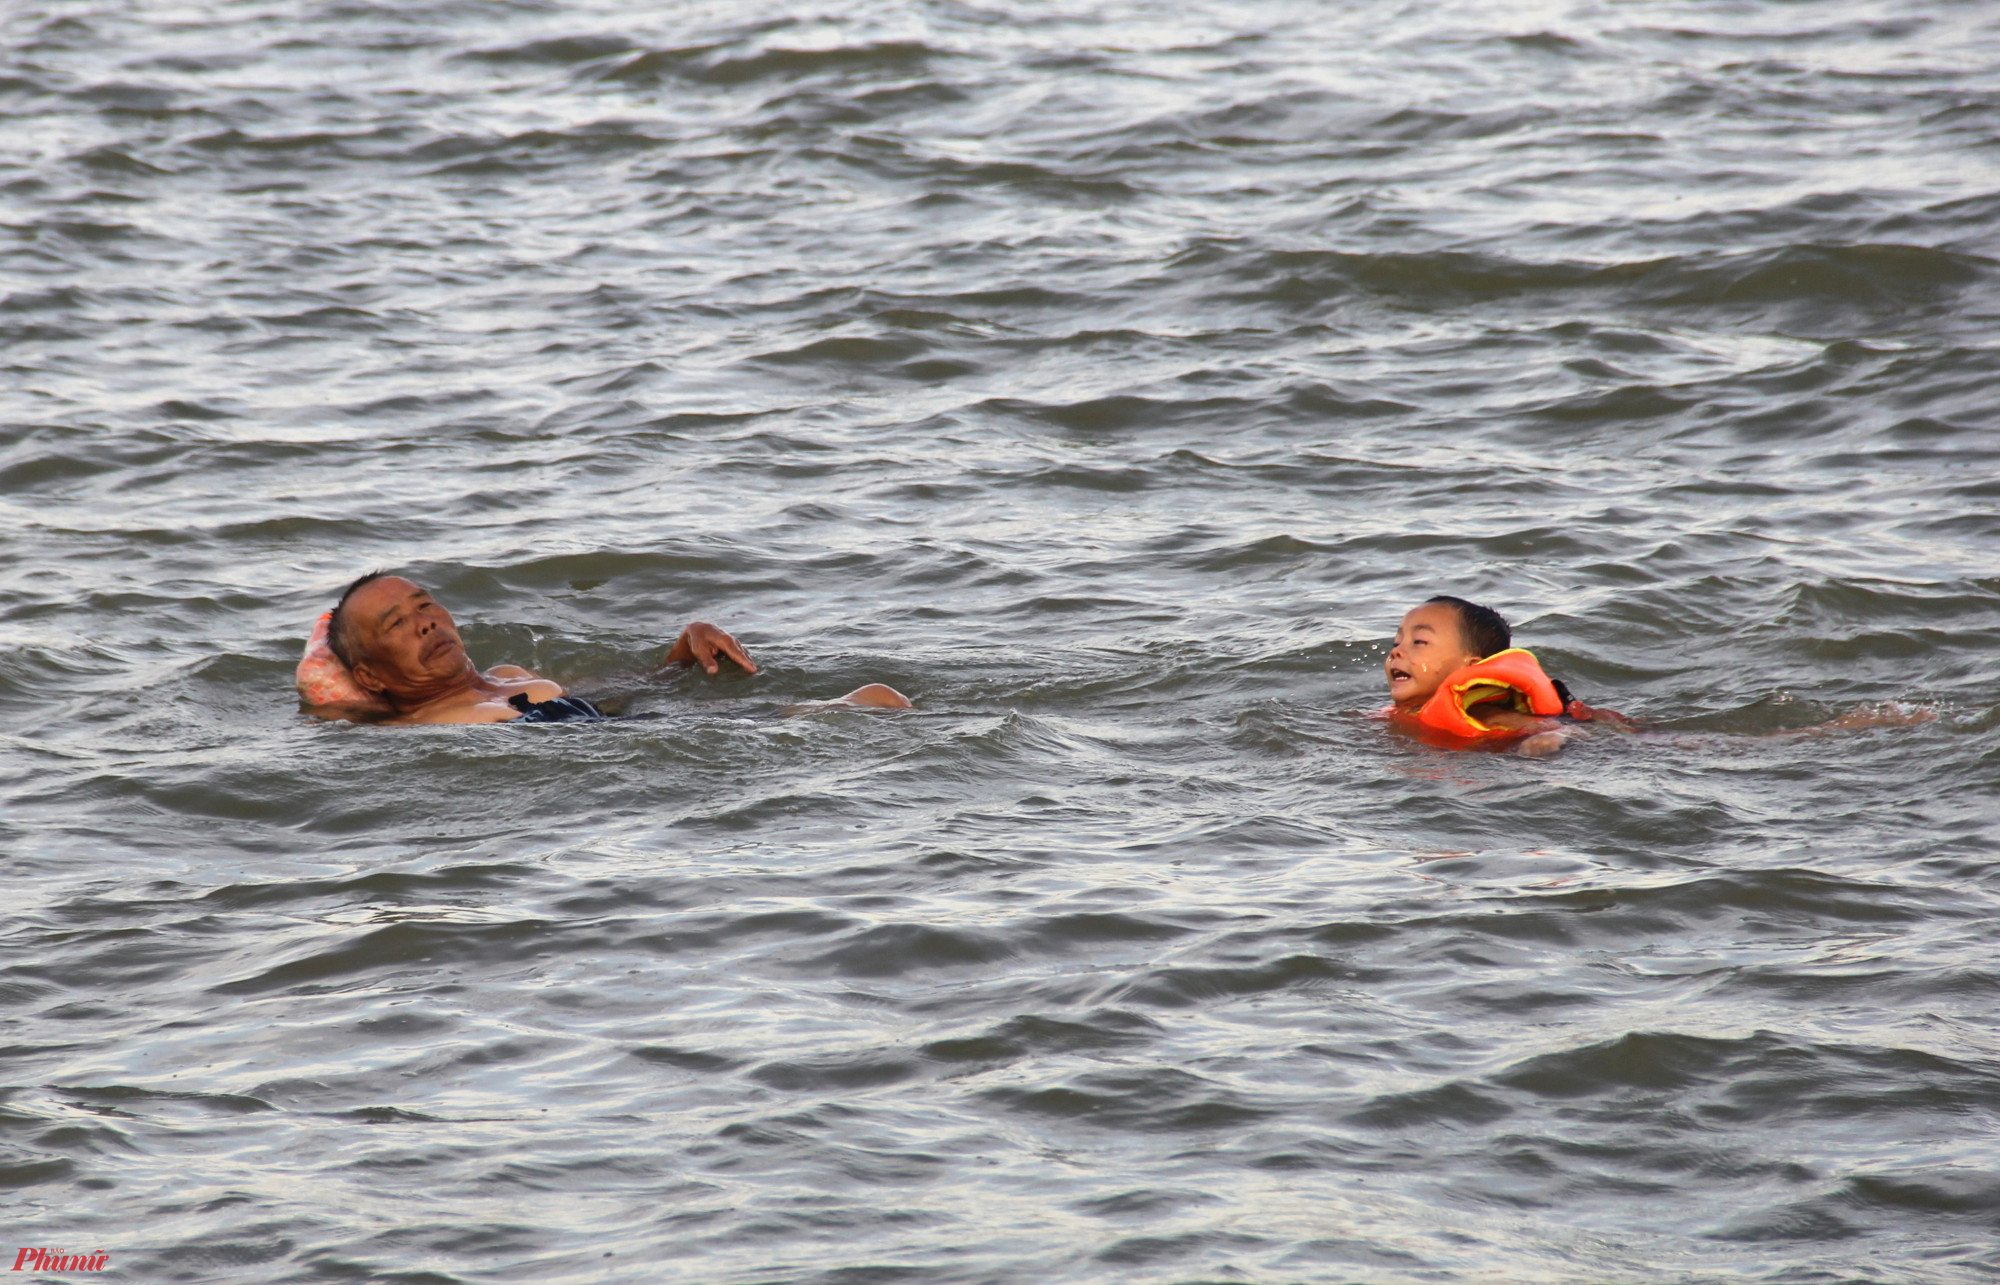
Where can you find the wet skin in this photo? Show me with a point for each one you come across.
(411, 656)
(1430, 647)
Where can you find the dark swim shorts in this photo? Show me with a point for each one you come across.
(563, 709)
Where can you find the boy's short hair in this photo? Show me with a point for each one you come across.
(1485, 630)
(339, 631)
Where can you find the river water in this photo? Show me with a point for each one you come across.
(1109, 377)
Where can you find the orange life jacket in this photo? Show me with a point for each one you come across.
(1514, 676)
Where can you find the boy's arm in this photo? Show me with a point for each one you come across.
(1867, 716)
(1543, 744)
(1547, 735)
(1512, 720)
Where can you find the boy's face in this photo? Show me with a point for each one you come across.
(1429, 646)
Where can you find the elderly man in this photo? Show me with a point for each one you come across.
(403, 650)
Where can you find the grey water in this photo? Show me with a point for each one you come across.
(1110, 377)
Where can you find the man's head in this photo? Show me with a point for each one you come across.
(1443, 635)
(395, 638)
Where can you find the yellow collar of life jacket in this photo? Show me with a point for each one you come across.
(1513, 676)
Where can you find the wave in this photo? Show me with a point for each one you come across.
(1863, 278)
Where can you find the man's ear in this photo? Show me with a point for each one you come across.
(367, 679)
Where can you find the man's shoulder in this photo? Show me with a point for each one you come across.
(459, 712)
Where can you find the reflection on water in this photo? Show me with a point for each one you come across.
(1110, 381)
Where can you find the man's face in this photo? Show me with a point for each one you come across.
(1429, 646)
(409, 643)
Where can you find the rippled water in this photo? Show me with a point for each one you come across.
(1109, 378)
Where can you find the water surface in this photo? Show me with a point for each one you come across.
(1110, 378)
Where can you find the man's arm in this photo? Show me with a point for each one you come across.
(703, 644)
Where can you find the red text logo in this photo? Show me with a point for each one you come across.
(59, 1260)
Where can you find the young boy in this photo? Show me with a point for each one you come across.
(1456, 678)
(1458, 681)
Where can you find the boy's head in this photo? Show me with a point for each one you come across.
(1443, 635)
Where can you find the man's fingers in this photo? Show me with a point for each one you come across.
(704, 652)
(736, 653)
(703, 644)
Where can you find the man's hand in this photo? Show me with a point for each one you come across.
(703, 644)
